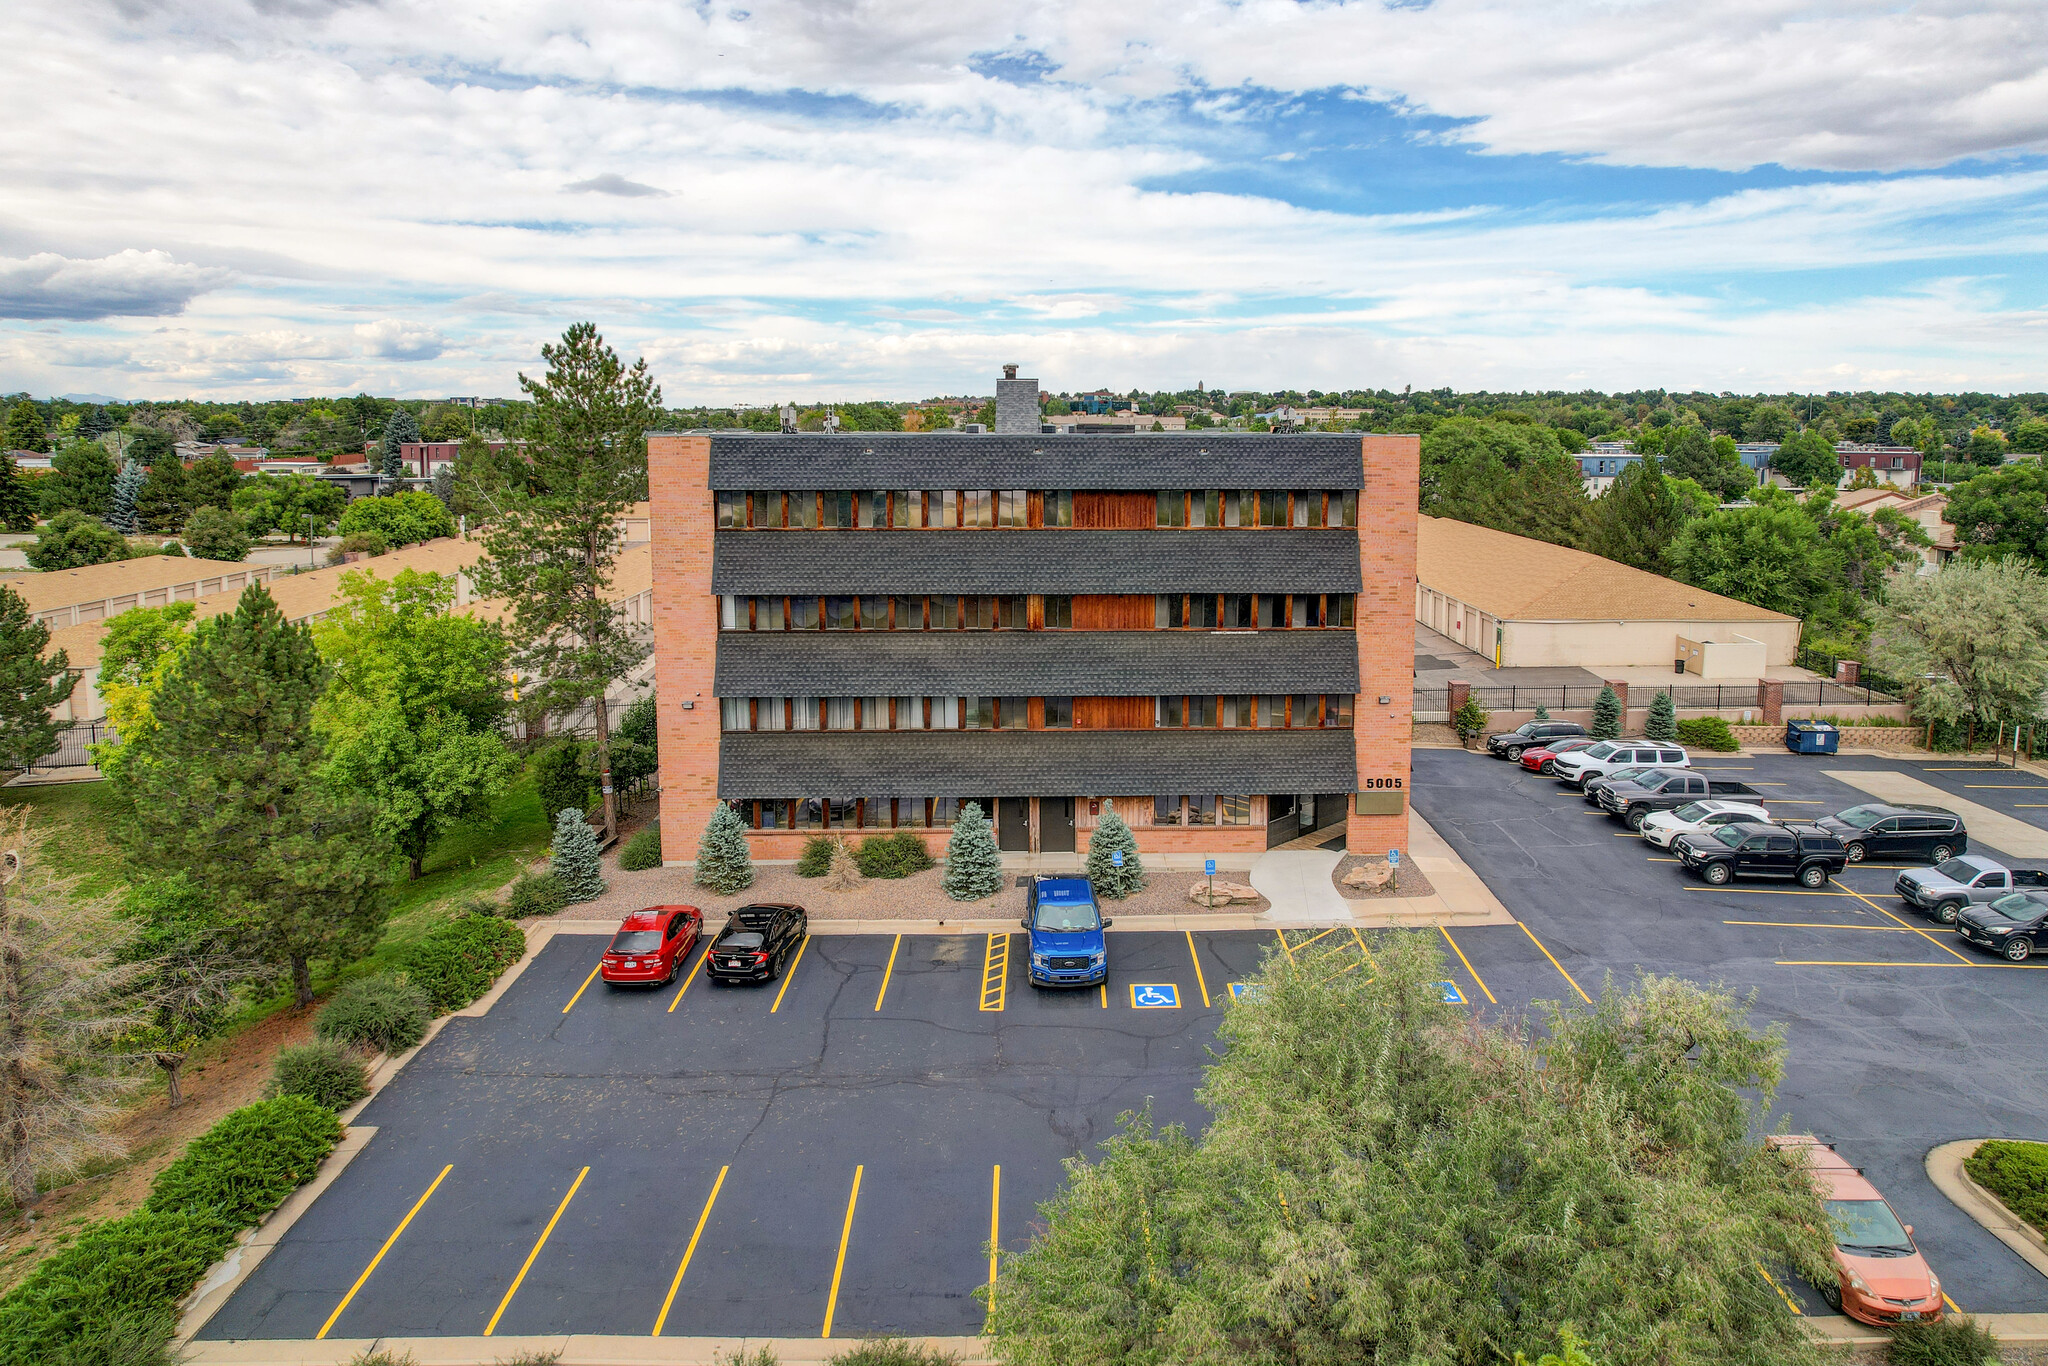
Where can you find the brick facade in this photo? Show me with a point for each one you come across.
(685, 638)
(1386, 636)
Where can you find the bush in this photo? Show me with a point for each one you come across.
(1470, 720)
(129, 1269)
(378, 1014)
(326, 1072)
(642, 851)
(573, 858)
(724, 863)
(2017, 1173)
(477, 905)
(897, 855)
(243, 1167)
(816, 859)
(458, 962)
(893, 1352)
(383, 1359)
(1707, 732)
(534, 894)
(1955, 1341)
(212, 534)
(559, 778)
(128, 1340)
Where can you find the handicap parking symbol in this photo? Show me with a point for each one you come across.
(1242, 991)
(1155, 996)
(1452, 996)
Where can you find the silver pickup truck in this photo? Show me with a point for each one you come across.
(1968, 879)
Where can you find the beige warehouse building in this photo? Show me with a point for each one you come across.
(1525, 603)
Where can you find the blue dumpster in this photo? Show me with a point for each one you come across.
(1811, 737)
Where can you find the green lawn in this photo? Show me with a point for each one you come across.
(76, 821)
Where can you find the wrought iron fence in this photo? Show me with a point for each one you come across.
(1704, 697)
(72, 746)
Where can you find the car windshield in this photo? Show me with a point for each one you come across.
(636, 941)
(2017, 906)
(1868, 1228)
(1526, 728)
(1071, 916)
(1600, 751)
(1955, 870)
(1862, 817)
(1731, 835)
(1692, 811)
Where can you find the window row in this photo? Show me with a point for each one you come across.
(924, 813)
(1269, 711)
(907, 509)
(1256, 507)
(1022, 612)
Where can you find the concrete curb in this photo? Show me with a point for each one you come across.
(1945, 1170)
(577, 1349)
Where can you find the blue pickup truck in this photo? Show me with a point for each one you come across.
(1065, 924)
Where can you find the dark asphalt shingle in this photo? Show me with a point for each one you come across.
(889, 460)
(1033, 663)
(1016, 560)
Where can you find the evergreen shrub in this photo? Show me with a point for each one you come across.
(1707, 732)
(1111, 835)
(642, 851)
(892, 856)
(457, 962)
(724, 863)
(534, 894)
(244, 1166)
(574, 858)
(816, 858)
(378, 1014)
(974, 866)
(323, 1071)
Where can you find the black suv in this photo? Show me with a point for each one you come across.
(2014, 925)
(1509, 744)
(1923, 834)
(1753, 849)
(756, 943)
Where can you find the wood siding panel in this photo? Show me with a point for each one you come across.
(1115, 612)
(1116, 511)
(1112, 713)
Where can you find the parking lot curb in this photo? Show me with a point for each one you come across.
(1945, 1170)
(576, 1349)
(1171, 923)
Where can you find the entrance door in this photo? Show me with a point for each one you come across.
(1056, 825)
(1013, 824)
(1282, 820)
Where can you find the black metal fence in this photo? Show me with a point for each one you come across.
(72, 751)
(1704, 697)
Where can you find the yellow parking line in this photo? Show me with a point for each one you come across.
(1281, 935)
(2007, 787)
(1914, 928)
(585, 987)
(691, 978)
(1559, 966)
(839, 1267)
(790, 976)
(1481, 981)
(1953, 1307)
(1790, 1303)
(542, 1242)
(689, 1252)
(1198, 970)
(1822, 925)
(995, 972)
(995, 1210)
(1763, 891)
(891, 968)
(1654, 859)
(381, 1251)
(1853, 963)
(1359, 939)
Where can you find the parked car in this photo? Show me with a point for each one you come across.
(1064, 920)
(1634, 800)
(649, 946)
(1530, 735)
(1880, 1276)
(1608, 755)
(1967, 879)
(1885, 830)
(757, 943)
(1700, 817)
(1803, 851)
(1593, 787)
(1544, 760)
(2012, 925)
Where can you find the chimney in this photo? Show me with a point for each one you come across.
(1016, 405)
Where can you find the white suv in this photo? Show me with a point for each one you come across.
(1598, 760)
(1661, 827)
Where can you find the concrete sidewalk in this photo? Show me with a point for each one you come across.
(1297, 883)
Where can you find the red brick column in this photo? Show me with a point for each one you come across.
(1460, 693)
(1620, 691)
(1847, 671)
(1770, 700)
(1382, 729)
(685, 638)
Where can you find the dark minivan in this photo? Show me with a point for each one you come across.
(1509, 744)
(756, 943)
(1881, 830)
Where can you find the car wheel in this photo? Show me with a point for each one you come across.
(2017, 950)
(1548, 768)
(1514, 754)
(1942, 853)
(1717, 873)
(774, 968)
(1813, 875)
(1856, 852)
(1947, 911)
(1832, 1294)
(1635, 819)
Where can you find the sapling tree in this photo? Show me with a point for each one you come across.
(974, 865)
(1108, 877)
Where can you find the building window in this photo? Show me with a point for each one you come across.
(838, 504)
(803, 508)
(1058, 614)
(1059, 713)
(872, 509)
(767, 509)
(874, 713)
(810, 814)
(1240, 507)
(1337, 711)
(736, 713)
(1238, 611)
(1345, 507)
(1341, 610)
(1202, 611)
(1272, 611)
(771, 713)
(906, 508)
(1305, 610)
(839, 614)
(1013, 614)
(1012, 713)
(1012, 506)
(1301, 712)
(909, 713)
(768, 614)
(977, 614)
(774, 815)
(946, 810)
(1173, 508)
(731, 613)
(1171, 613)
(1272, 712)
(977, 507)
(1167, 811)
(1202, 712)
(732, 509)
(841, 811)
(874, 614)
(910, 813)
(978, 713)
(1272, 508)
(945, 713)
(1235, 713)
(875, 813)
(1205, 508)
(909, 614)
(803, 614)
(803, 713)
(1059, 507)
(1201, 810)
(1234, 810)
(1169, 713)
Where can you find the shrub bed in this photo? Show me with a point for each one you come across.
(535, 894)
(325, 1072)
(378, 1014)
(243, 1167)
(897, 855)
(2017, 1173)
(816, 858)
(1707, 732)
(458, 962)
(642, 851)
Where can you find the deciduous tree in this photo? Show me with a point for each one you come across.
(2003, 512)
(212, 534)
(1972, 641)
(72, 540)
(82, 477)
(402, 519)
(1808, 460)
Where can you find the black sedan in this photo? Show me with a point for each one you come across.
(756, 943)
(2015, 926)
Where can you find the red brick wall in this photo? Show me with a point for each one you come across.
(1386, 630)
(685, 637)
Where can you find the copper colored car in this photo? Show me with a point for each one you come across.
(1881, 1278)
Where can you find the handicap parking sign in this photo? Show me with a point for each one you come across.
(1394, 857)
(1155, 996)
(1116, 858)
(1209, 866)
(1452, 996)
(1244, 991)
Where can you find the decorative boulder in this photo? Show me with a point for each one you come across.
(1221, 893)
(1369, 875)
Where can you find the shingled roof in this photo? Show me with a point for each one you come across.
(1026, 763)
(1015, 560)
(1033, 663)
(898, 460)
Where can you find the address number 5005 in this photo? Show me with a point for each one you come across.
(1382, 782)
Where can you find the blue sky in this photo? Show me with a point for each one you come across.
(889, 198)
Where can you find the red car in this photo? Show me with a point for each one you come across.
(651, 945)
(1881, 1278)
(1545, 760)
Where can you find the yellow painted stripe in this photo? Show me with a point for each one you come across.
(1790, 1303)
(1559, 966)
(1286, 947)
(839, 1267)
(1805, 925)
(1104, 989)
(1312, 938)
(585, 987)
(995, 1225)
(995, 972)
(1359, 940)
(1198, 969)
(542, 1242)
(694, 967)
(2007, 787)
(689, 1252)
(1729, 889)
(888, 971)
(1902, 924)
(1853, 963)
(790, 976)
(1480, 981)
(381, 1251)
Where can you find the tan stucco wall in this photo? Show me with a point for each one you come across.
(1631, 644)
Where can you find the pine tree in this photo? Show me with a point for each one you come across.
(1662, 723)
(127, 488)
(1111, 834)
(160, 504)
(1606, 715)
(724, 863)
(17, 504)
(1542, 713)
(30, 685)
(81, 476)
(1634, 521)
(26, 430)
(574, 857)
(399, 428)
(974, 866)
(229, 787)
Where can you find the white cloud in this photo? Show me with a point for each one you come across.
(148, 283)
(398, 340)
(610, 183)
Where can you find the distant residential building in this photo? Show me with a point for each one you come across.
(29, 460)
(1895, 465)
(1602, 464)
(422, 458)
(1930, 510)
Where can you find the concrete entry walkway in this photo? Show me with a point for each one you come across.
(1297, 884)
